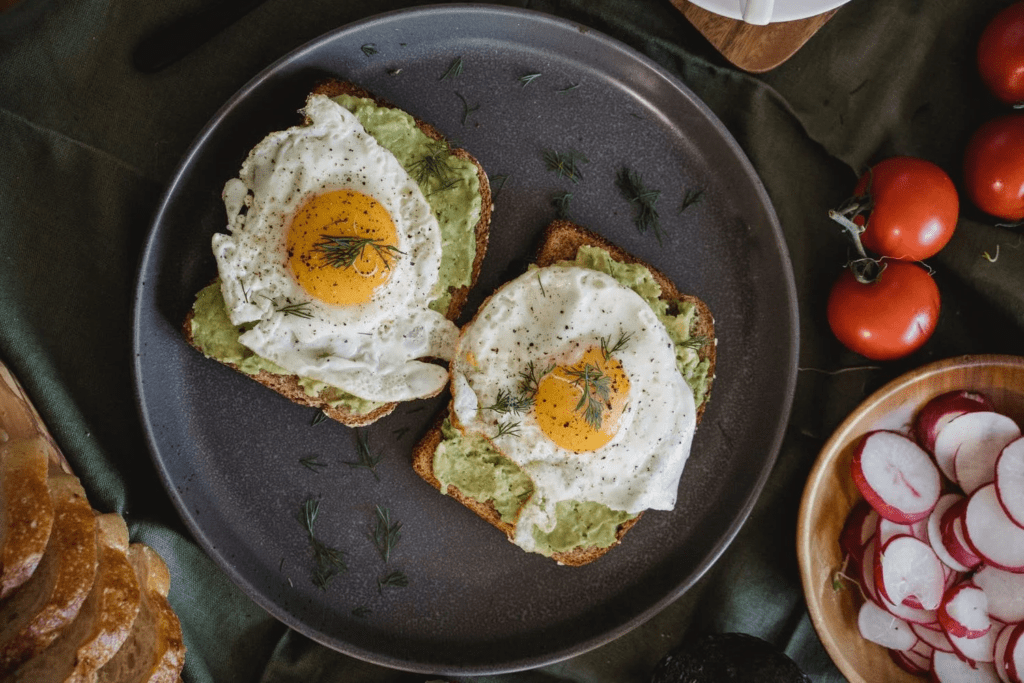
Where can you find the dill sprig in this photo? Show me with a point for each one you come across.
(369, 49)
(386, 533)
(528, 79)
(341, 251)
(692, 197)
(466, 109)
(313, 463)
(498, 182)
(529, 379)
(507, 428)
(299, 310)
(506, 402)
(561, 203)
(632, 186)
(566, 164)
(395, 579)
(400, 432)
(695, 342)
(434, 165)
(596, 392)
(454, 69)
(569, 88)
(328, 561)
(318, 418)
(366, 458)
(607, 350)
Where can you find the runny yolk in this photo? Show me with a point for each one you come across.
(578, 406)
(341, 246)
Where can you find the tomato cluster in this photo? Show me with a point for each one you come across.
(884, 305)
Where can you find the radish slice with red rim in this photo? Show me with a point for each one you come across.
(990, 533)
(999, 652)
(964, 611)
(908, 567)
(896, 476)
(980, 438)
(936, 413)
(935, 637)
(935, 535)
(1009, 478)
(861, 524)
(909, 662)
(952, 533)
(949, 668)
(1005, 591)
(878, 626)
(1013, 658)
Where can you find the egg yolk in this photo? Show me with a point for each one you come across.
(579, 406)
(341, 246)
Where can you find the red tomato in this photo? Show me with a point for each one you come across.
(1001, 54)
(888, 318)
(994, 167)
(914, 208)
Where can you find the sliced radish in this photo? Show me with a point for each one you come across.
(937, 412)
(1009, 478)
(880, 627)
(1005, 591)
(948, 668)
(999, 652)
(982, 437)
(964, 611)
(1013, 658)
(978, 649)
(935, 536)
(910, 662)
(912, 615)
(908, 567)
(990, 533)
(935, 637)
(867, 571)
(896, 476)
(861, 524)
(952, 532)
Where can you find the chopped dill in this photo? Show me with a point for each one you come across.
(562, 203)
(454, 69)
(435, 165)
(466, 109)
(695, 342)
(386, 533)
(632, 187)
(528, 79)
(369, 49)
(299, 310)
(569, 88)
(313, 463)
(400, 432)
(498, 182)
(507, 429)
(318, 418)
(395, 579)
(341, 251)
(366, 458)
(566, 164)
(540, 282)
(607, 351)
(506, 402)
(692, 197)
(529, 380)
(328, 561)
(596, 392)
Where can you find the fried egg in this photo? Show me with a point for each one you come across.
(572, 376)
(332, 258)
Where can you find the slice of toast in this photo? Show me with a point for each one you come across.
(104, 621)
(560, 241)
(288, 385)
(34, 614)
(24, 496)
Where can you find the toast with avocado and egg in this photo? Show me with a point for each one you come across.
(576, 390)
(354, 239)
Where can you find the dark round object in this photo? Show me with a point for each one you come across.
(723, 657)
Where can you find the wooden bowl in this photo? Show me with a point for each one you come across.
(830, 494)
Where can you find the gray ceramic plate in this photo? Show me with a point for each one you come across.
(229, 451)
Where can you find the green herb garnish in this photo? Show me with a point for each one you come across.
(454, 69)
(318, 418)
(386, 533)
(434, 165)
(395, 579)
(619, 345)
(506, 402)
(508, 428)
(313, 463)
(342, 251)
(633, 189)
(562, 202)
(366, 458)
(566, 164)
(692, 197)
(369, 49)
(570, 88)
(596, 392)
(328, 561)
(400, 432)
(695, 342)
(529, 380)
(528, 79)
(299, 310)
(466, 109)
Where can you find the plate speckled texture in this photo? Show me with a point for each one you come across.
(229, 451)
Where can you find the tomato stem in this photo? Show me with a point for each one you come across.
(852, 229)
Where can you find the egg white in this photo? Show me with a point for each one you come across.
(549, 315)
(370, 350)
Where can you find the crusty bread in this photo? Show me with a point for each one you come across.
(24, 495)
(33, 616)
(560, 241)
(154, 651)
(288, 385)
(104, 621)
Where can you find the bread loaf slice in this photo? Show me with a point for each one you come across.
(560, 241)
(34, 614)
(288, 385)
(154, 651)
(26, 510)
(104, 621)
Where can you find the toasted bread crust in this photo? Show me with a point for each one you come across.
(288, 385)
(559, 242)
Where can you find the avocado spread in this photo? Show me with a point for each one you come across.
(480, 472)
(454, 196)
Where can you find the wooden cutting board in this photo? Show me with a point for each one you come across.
(752, 48)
